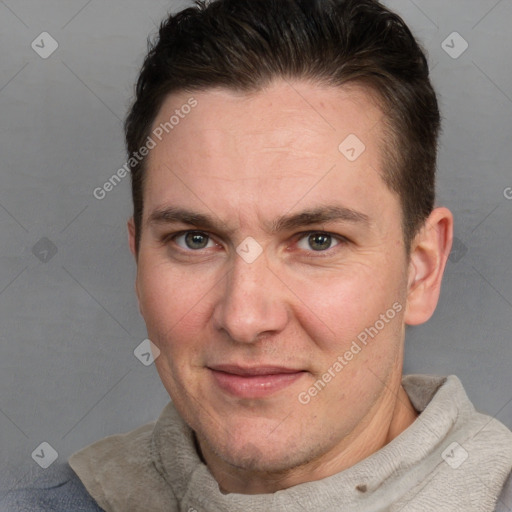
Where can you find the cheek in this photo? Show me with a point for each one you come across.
(174, 302)
(340, 306)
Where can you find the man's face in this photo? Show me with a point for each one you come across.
(245, 336)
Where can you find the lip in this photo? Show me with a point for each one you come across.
(254, 381)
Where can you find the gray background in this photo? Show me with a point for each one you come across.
(69, 322)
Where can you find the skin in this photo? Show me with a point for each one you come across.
(246, 161)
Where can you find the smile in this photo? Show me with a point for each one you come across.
(254, 382)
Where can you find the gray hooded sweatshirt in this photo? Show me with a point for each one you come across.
(450, 459)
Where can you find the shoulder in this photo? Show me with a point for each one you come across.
(58, 489)
(505, 500)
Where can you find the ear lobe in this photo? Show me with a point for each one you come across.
(429, 252)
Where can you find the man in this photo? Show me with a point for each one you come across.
(285, 234)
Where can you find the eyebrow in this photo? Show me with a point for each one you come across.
(173, 215)
(320, 215)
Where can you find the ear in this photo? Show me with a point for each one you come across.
(133, 250)
(429, 252)
(131, 237)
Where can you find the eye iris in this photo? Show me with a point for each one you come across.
(319, 241)
(196, 240)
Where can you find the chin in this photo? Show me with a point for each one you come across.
(258, 455)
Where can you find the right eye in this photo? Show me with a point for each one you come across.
(194, 240)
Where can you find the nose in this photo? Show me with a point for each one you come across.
(252, 302)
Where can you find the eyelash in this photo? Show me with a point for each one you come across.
(341, 241)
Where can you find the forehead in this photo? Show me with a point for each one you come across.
(297, 116)
(288, 143)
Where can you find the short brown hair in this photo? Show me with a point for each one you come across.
(243, 45)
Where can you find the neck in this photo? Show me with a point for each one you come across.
(395, 413)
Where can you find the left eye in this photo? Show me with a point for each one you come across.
(194, 240)
(317, 242)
